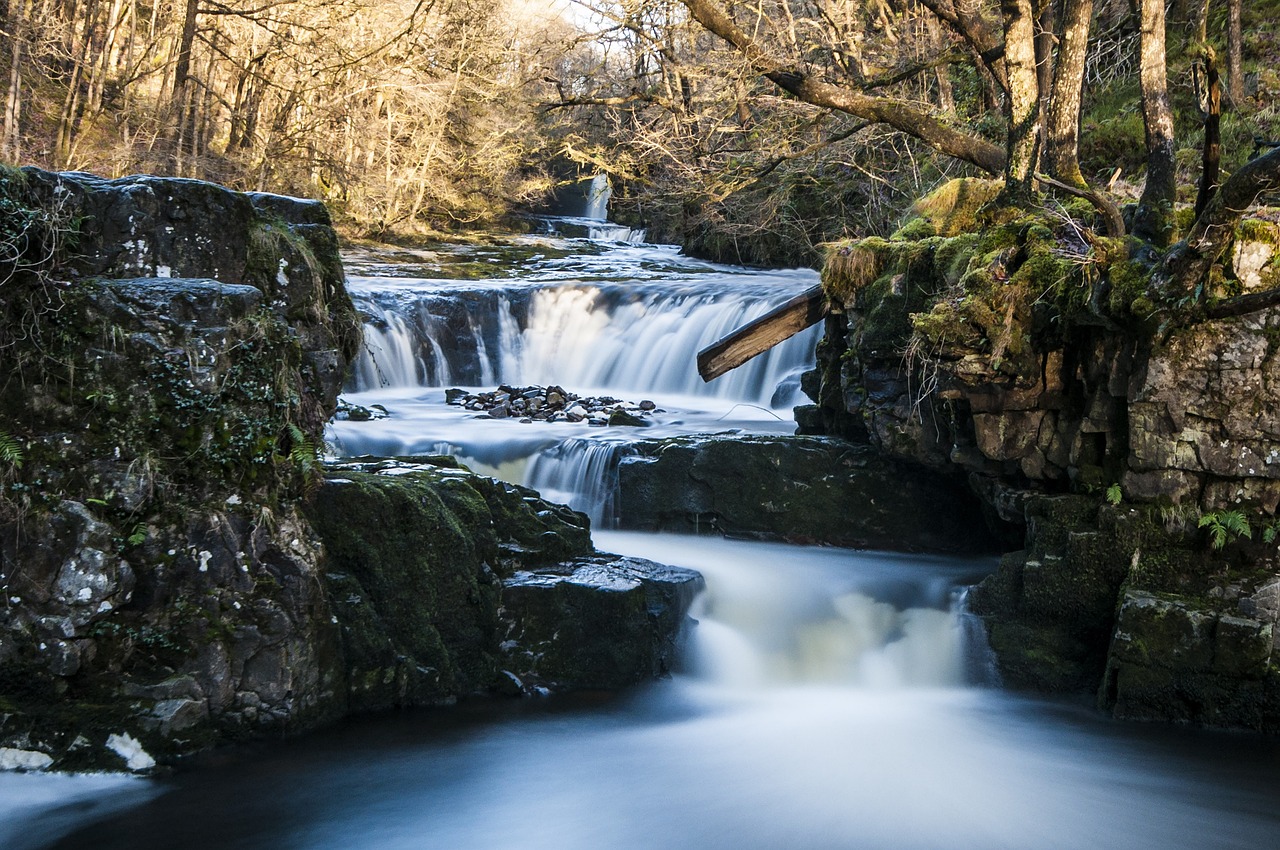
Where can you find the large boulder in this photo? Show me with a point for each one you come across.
(597, 622)
(800, 489)
(445, 583)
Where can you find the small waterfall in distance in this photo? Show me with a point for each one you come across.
(598, 196)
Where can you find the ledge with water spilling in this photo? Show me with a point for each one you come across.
(614, 319)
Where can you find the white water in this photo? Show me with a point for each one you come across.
(598, 318)
(598, 196)
(830, 706)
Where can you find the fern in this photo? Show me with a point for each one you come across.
(11, 451)
(1114, 494)
(1226, 525)
(302, 451)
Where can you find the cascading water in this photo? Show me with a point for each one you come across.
(598, 196)
(828, 708)
(829, 701)
(614, 319)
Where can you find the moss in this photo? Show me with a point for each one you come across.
(850, 266)
(1258, 230)
(915, 227)
(413, 574)
(956, 206)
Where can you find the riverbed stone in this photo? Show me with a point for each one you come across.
(599, 622)
(799, 489)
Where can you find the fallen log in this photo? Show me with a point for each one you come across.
(758, 336)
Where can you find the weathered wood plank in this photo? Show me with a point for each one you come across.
(756, 337)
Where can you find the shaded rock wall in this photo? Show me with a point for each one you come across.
(799, 489)
(1011, 349)
(445, 583)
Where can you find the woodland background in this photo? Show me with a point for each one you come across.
(412, 117)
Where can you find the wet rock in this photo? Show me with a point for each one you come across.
(1179, 660)
(599, 622)
(553, 404)
(417, 554)
(802, 489)
(358, 413)
(623, 418)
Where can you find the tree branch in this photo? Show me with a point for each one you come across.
(1187, 265)
(898, 114)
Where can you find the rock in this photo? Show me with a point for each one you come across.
(1174, 660)
(802, 489)
(24, 760)
(357, 413)
(646, 404)
(131, 752)
(621, 418)
(178, 392)
(416, 557)
(550, 405)
(599, 622)
(1029, 387)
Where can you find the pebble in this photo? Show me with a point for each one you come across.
(552, 404)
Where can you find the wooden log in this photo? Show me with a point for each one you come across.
(756, 337)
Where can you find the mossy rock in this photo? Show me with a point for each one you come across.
(956, 206)
(413, 574)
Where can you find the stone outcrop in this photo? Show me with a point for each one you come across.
(445, 583)
(164, 585)
(798, 489)
(597, 622)
(170, 376)
(1002, 344)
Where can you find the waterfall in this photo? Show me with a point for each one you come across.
(868, 621)
(582, 474)
(616, 318)
(598, 198)
(630, 340)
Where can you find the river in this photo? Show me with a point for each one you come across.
(830, 698)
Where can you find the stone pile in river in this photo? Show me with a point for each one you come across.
(553, 404)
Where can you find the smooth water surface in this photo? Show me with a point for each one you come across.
(830, 705)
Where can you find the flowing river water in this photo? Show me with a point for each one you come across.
(830, 698)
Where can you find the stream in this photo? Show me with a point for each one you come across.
(830, 698)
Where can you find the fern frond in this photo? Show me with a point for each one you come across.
(11, 451)
(302, 451)
(1237, 523)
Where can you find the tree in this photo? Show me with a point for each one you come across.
(1014, 54)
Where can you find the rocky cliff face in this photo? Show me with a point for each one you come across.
(176, 570)
(1008, 346)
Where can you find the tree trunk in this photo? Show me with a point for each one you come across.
(1153, 220)
(1212, 132)
(1046, 25)
(1024, 98)
(181, 95)
(12, 141)
(1062, 139)
(1235, 47)
(966, 18)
